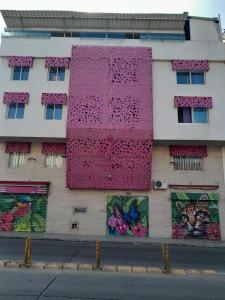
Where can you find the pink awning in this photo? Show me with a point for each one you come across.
(57, 62)
(190, 65)
(193, 101)
(24, 187)
(17, 147)
(53, 98)
(15, 97)
(54, 148)
(199, 151)
(20, 61)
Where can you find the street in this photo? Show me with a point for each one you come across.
(114, 253)
(20, 284)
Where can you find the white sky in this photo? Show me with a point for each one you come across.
(203, 8)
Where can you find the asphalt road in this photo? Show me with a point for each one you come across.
(115, 253)
(21, 284)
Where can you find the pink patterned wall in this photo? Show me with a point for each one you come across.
(54, 148)
(20, 61)
(190, 65)
(57, 62)
(109, 125)
(17, 147)
(187, 101)
(200, 151)
(15, 97)
(53, 98)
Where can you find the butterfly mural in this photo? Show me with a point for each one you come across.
(127, 216)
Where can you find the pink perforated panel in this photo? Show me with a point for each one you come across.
(54, 148)
(200, 151)
(15, 97)
(53, 98)
(20, 61)
(109, 125)
(17, 147)
(187, 101)
(190, 65)
(57, 62)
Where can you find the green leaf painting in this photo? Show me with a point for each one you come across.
(127, 216)
(20, 212)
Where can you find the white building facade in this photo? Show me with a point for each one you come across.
(130, 107)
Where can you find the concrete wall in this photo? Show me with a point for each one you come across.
(61, 200)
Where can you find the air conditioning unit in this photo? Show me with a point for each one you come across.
(159, 184)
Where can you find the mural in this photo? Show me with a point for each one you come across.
(22, 212)
(195, 215)
(127, 216)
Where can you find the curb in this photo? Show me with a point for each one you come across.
(106, 268)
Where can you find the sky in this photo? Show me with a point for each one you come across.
(203, 8)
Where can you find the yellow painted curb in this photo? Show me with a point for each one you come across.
(208, 272)
(70, 266)
(192, 272)
(109, 268)
(38, 266)
(125, 269)
(53, 266)
(178, 272)
(139, 270)
(85, 267)
(154, 270)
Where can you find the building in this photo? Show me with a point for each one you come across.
(112, 124)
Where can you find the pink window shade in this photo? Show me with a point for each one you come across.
(17, 147)
(194, 102)
(190, 65)
(15, 97)
(57, 62)
(54, 148)
(199, 151)
(20, 61)
(53, 98)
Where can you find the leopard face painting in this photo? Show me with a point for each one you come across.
(194, 216)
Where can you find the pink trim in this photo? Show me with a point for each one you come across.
(53, 98)
(190, 65)
(57, 62)
(200, 151)
(15, 97)
(54, 148)
(194, 102)
(20, 61)
(24, 187)
(17, 147)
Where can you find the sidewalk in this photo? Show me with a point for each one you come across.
(107, 239)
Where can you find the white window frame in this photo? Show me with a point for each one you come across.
(17, 160)
(189, 75)
(7, 111)
(56, 77)
(192, 117)
(188, 163)
(53, 161)
(45, 113)
(21, 67)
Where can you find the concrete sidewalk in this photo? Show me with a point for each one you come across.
(107, 239)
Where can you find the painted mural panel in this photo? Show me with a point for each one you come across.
(127, 216)
(195, 215)
(23, 212)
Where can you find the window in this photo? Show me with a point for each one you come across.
(188, 163)
(16, 160)
(53, 161)
(20, 73)
(53, 112)
(190, 77)
(15, 110)
(56, 74)
(192, 115)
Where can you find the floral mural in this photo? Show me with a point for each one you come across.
(127, 216)
(20, 212)
(195, 215)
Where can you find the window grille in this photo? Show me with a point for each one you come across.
(53, 161)
(16, 160)
(188, 163)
